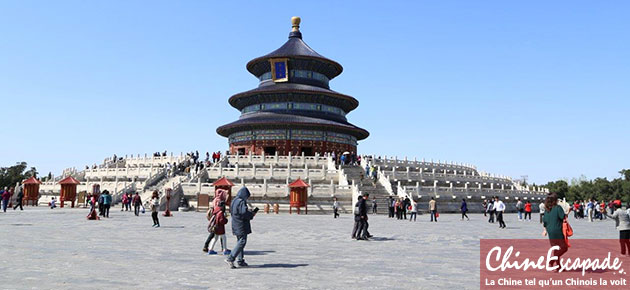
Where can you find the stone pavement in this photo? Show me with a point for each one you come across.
(59, 249)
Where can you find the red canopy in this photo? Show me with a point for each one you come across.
(32, 180)
(298, 183)
(223, 182)
(69, 180)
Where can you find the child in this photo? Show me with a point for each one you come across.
(219, 232)
(52, 202)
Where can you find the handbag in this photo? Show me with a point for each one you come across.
(212, 226)
(437, 214)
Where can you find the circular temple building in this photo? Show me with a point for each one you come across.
(293, 110)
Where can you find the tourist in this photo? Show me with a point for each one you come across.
(528, 211)
(137, 202)
(464, 209)
(53, 203)
(499, 208)
(397, 209)
(405, 206)
(6, 196)
(490, 210)
(589, 210)
(100, 204)
(541, 209)
(362, 233)
(622, 220)
(107, 202)
(433, 209)
(520, 209)
(129, 199)
(335, 207)
(219, 197)
(19, 198)
(374, 205)
(413, 212)
(357, 217)
(484, 205)
(211, 222)
(155, 204)
(241, 217)
(124, 202)
(219, 229)
(390, 206)
(552, 222)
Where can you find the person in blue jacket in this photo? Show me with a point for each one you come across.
(464, 209)
(241, 227)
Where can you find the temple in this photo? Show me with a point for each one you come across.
(293, 110)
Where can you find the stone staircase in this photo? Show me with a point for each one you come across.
(367, 185)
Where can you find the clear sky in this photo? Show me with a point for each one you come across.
(538, 88)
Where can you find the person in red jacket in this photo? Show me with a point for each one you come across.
(219, 229)
(528, 211)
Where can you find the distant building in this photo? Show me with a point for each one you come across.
(293, 109)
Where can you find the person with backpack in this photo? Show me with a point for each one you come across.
(528, 211)
(464, 209)
(220, 197)
(217, 226)
(552, 222)
(137, 202)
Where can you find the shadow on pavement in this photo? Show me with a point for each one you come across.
(381, 239)
(278, 266)
(257, 253)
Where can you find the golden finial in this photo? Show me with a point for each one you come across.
(295, 23)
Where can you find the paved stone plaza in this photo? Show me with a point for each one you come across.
(57, 249)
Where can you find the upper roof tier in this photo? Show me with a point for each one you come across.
(295, 48)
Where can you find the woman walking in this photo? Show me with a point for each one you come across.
(552, 222)
(464, 209)
(219, 230)
(622, 219)
(155, 203)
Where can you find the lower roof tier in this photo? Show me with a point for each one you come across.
(270, 120)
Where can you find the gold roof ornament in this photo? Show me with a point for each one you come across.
(295, 23)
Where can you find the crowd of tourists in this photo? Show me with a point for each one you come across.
(592, 209)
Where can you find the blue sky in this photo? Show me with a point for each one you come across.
(515, 87)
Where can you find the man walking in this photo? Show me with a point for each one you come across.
(241, 227)
(499, 208)
(19, 197)
(360, 230)
(107, 202)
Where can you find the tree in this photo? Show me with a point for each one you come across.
(9, 176)
(560, 188)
